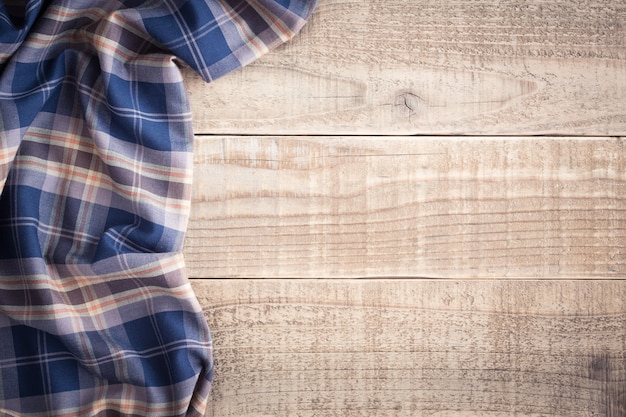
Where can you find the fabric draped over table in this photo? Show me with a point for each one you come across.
(97, 317)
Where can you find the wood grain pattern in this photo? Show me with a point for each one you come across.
(417, 348)
(433, 67)
(408, 206)
(279, 193)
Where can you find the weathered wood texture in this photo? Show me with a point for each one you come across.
(433, 67)
(372, 207)
(278, 194)
(417, 348)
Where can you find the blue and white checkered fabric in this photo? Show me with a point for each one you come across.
(97, 317)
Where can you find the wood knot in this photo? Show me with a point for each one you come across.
(599, 368)
(610, 374)
(408, 103)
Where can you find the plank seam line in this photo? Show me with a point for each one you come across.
(416, 279)
(425, 135)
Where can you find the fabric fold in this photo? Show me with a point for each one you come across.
(97, 317)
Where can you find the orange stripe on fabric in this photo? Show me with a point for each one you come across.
(73, 140)
(99, 308)
(70, 172)
(269, 17)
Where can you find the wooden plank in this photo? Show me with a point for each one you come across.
(433, 67)
(408, 206)
(417, 348)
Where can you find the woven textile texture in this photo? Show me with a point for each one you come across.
(97, 317)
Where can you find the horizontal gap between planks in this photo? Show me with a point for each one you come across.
(419, 135)
(415, 279)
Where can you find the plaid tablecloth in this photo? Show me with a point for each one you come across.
(97, 317)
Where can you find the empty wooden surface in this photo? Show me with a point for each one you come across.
(417, 348)
(412, 207)
(417, 208)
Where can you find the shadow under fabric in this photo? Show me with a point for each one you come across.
(97, 317)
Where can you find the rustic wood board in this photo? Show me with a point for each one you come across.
(408, 206)
(433, 67)
(417, 348)
(478, 197)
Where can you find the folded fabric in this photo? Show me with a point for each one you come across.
(97, 317)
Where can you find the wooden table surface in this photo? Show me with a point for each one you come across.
(418, 208)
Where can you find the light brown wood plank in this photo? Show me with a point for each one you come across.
(433, 67)
(408, 206)
(416, 348)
